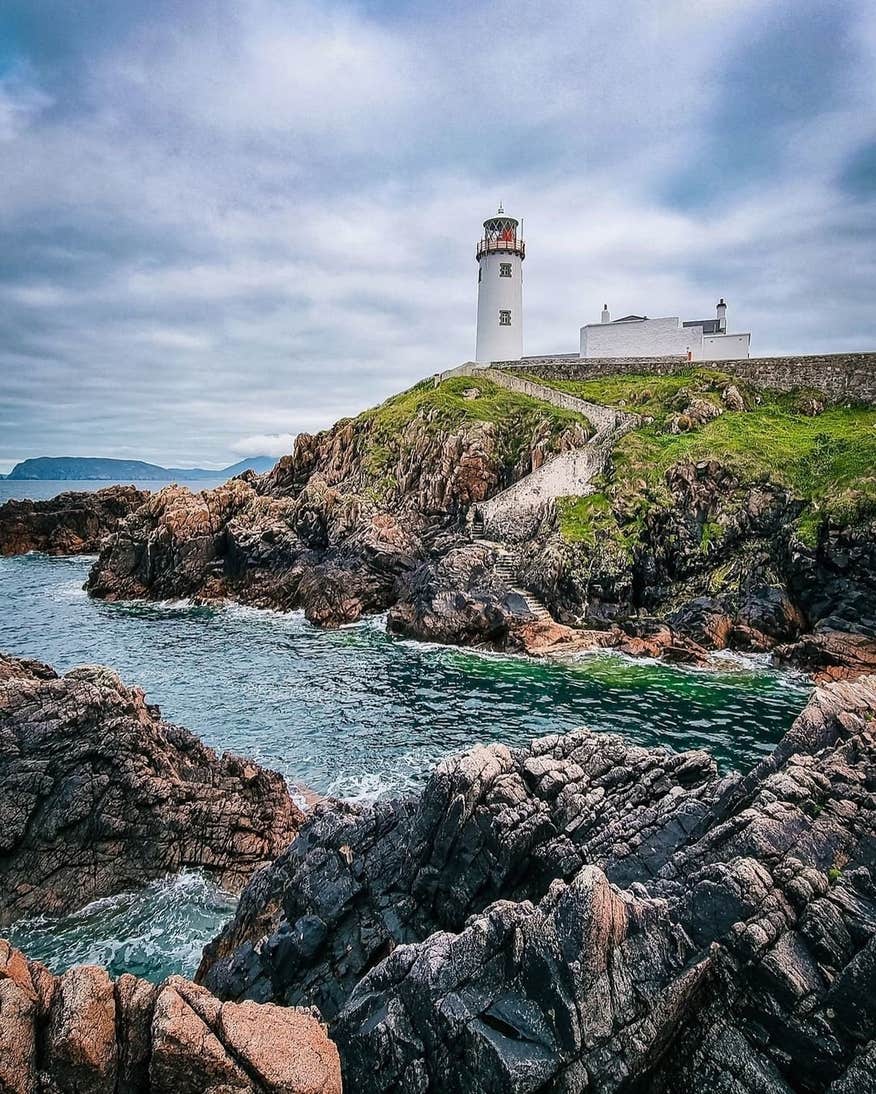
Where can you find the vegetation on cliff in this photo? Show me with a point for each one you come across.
(826, 456)
(517, 424)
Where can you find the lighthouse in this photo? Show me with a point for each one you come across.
(500, 255)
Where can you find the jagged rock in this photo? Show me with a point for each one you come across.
(81, 1034)
(831, 654)
(696, 414)
(585, 915)
(493, 823)
(732, 398)
(71, 523)
(98, 795)
(704, 620)
(459, 599)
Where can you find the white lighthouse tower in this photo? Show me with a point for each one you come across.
(500, 257)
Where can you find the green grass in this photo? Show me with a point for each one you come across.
(827, 461)
(592, 521)
(647, 394)
(444, 406)
(443, 409)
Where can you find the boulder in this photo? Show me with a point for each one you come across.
(98, 795)
(81, 1034)
(705, 620)
(829, 653)
(770, 610)
(72, 523)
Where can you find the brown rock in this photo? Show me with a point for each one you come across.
(81, 1053)
(18, 1015)
(542, 637)
(98, 795)
(69, 524)
(831, 654)
(135, 1003)
(140, 1038)
(187, 1057)
(309, 1066)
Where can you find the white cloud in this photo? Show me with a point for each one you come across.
(264, 444)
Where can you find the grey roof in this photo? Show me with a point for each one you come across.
(630, 319)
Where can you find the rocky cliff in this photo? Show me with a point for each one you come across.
(80, 1033)
(589, 915)
(69, 524)
(338, 525)
(98, 795)
(727, 516)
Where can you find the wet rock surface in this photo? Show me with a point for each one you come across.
(98, 794)
(80, 1033)
(75, 522)
(589, 915)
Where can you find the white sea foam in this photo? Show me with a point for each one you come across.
(160, 928)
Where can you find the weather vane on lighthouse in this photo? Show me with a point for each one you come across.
(500, 255)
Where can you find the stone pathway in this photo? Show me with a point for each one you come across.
(512, 513)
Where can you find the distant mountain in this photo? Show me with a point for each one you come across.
(83, 467)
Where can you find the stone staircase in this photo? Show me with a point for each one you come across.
(511, 512)
(507, 572)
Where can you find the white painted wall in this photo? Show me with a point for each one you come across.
(664, 337)
(725, 347)
(495, 293)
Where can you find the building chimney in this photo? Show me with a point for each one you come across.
(722, 316)
(606, 315)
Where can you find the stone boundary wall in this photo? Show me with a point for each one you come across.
(602, 417)
(842, 377)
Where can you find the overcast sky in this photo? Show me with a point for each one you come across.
(226, 221)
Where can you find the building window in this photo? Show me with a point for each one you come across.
(504, 269)
(504, 318)
(480, 271)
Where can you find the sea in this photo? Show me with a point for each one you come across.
(355, 713)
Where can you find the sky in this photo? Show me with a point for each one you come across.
(224, 222)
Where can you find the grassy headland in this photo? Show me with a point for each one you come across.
(456, 403)
(826, 457)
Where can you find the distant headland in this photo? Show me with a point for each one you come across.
(84, 467)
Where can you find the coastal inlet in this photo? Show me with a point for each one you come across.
(352, 712)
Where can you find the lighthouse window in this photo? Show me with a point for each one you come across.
(504, 318)
(480, 271)
(504, 269)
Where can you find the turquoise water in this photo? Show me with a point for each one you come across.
(352, 712)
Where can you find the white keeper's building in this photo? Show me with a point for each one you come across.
(639, 336)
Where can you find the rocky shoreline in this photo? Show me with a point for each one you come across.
(551, 918)
(99, 795)
(586, 914)
(72, 523)
(380, 514)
